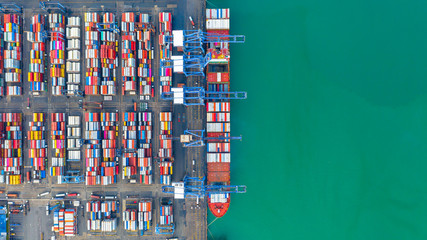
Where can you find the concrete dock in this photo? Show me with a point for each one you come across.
(190, 219)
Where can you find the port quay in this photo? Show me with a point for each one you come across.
(115, 119)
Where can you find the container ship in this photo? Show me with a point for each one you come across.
(218, 111)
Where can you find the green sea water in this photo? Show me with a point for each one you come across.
(335, 125)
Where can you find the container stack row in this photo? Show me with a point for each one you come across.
(93, 148)
(37, 37)
(12, 54)
(73, 55)
(109, 58)
(65, 222)
(144, 215)
(102, 216)
(11, 147)
(92, 44)
(130, 142)
(74, 135)
(2, 84)
(218, 151)
(129, 54)
(137, 132)
(58, 133)
(165, 29)
(145, 151)
(109, 130)
(138, 218)
(57, 53)
(166, 215)
(38, 146)
(165, 148)
(145, 56)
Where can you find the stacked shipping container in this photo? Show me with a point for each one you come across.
(129, 156)
(57, 53)
(73, 55)
(166, 215)
(12, 54)
(165, 148)
(37, 38)
(144, 215)
(11, 146)
(145, 56)
(128, 53)
(73, 142)
(101, 216)
(109, 58)
(38, 145)
(165, 29)
(137, 136)
(2, 84)
(138, 219)
(92, 43)
(109, 169)
(144, 135)
(93, 148)
(65, 222)
(58, 134)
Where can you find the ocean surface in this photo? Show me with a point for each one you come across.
(335, 125)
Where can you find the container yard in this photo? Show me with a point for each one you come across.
(102, 216)
(57, 53)
(65, 222)
(108, 53)
(137, 154)
(165, 149)
(37, 38)
(137, 216)
(165, 32)
(12, 40)
(73, 55)
(38, 148)
(90, 145)
(58, 145)
(92, 44)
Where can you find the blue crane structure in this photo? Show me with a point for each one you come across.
(73, 179)
(166, 229)
(52, 5)
(194, 58)
(120, 151)
(197, 95)
(10, 7)
(112, 27)
(77, 93)
(54, 207)
(196, 138)
(194, 187)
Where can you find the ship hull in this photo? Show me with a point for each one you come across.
(219, 209)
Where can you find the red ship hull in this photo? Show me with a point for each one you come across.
(219, 209)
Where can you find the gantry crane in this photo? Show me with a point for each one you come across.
(189, 96)
(112, 27)
(77, 93)
(197, 138)
(10, 7)
(52, 5)
(194, 187)
(194, 59)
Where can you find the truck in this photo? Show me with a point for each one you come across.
(11, 195)
(43, 194)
